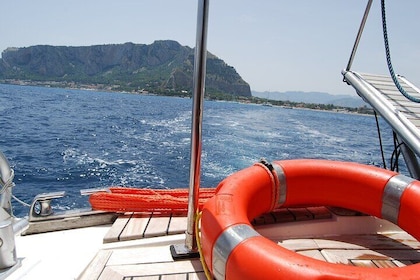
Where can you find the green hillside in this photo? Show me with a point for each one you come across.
(163, 67)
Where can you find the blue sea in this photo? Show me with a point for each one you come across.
(68, 140)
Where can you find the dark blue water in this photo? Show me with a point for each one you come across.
(59, 139)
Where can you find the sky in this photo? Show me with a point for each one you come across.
(275, 45)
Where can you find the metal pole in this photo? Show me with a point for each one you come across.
(359, 35)
(197, 119)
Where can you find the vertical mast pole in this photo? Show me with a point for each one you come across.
(197, 119)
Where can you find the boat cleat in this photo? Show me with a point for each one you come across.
(42, 218)
(41, 206)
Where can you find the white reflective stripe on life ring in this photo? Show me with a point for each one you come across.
(282, 191)
(392, 196)
(226, 242)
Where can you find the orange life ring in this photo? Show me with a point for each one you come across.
(234, 250)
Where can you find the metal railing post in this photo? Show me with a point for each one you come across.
(197, 119)
(196, 129)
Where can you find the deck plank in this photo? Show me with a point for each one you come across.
(283, 215)
(135, 227)
(158, 226)
(177, 225)
(197, 276)
(315, 254)
(301, 214)
(372, 241)
(128, 256)
(404, 238)
(346, 256)
(153, 269)
(363, 263)
(114, 232)
(393, 249)
(179, 276)
(299, 244)
(96, 266)
(320, 212)
(110, 274)
(384, 263)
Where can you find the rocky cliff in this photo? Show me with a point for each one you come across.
(161, 67)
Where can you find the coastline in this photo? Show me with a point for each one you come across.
(365, 110)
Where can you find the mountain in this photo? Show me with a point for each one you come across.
(162, 67)
(313, 97)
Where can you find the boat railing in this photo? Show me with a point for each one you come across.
(393, 97)
(190, 247)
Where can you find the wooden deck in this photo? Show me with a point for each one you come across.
(132, 226)
(371, 250)
(142, 257)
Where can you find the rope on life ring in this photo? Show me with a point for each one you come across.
(234, 250)
(123, 199)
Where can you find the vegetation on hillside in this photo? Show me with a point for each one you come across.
(164, 67)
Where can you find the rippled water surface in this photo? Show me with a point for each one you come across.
(59, 139)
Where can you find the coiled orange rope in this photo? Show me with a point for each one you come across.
(122, 199)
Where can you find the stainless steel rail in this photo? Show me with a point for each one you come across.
(396, 119)
(197, 119)
(359, 35)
